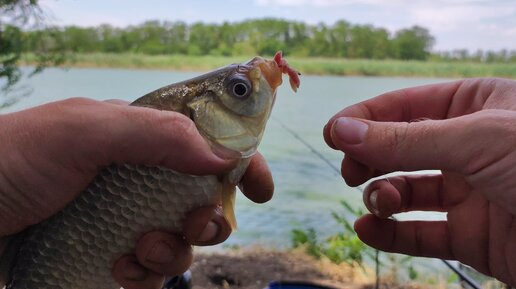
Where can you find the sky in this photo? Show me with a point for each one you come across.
(456, 24)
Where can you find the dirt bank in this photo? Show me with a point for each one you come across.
(254, 269)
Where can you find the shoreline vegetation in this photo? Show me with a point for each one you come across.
(306, 65)
(254, 268)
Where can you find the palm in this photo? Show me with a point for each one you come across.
(480, 232)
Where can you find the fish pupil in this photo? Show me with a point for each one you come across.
(240, 89)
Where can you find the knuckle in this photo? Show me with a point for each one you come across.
(400, 135)
(396, 140)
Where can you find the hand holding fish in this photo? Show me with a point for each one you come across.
(105, 175)
(52, 152)
(466, 129)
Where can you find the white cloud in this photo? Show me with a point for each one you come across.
(76, 13)
(317, 3)
(377, 3)
(511, 32)
(458, 16)
(500, 31)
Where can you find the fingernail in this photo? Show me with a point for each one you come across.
(134, 271)
(373, 201)
(161, 253)
(349, 130)
(210, 232)
(373, 198)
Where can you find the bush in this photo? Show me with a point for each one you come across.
(344, 246)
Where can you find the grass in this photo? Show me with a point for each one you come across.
(404, 68)
(313, 66)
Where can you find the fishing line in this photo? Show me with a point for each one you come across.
(307, 145)
(312, 149)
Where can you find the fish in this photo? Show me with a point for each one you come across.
(77, 247)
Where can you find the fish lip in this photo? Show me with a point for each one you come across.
(270, 70)
(273, 69)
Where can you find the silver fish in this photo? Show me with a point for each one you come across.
(76, 248)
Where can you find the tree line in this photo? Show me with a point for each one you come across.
(255, 37)
(250, 37)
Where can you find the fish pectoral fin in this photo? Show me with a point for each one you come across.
(228, 204)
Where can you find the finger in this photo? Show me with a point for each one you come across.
(415, 193)
(428, 101)
(382, 199)
(131, 275)
(257, 183)
(405, 193)
(164, 253)
(206, 226)
(355, 173)
(415, 238)
(452, 144)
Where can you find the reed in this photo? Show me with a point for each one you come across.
(306, 65)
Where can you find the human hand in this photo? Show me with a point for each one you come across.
(52, 152)
(467, 130)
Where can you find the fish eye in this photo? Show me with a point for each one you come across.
(239, 87)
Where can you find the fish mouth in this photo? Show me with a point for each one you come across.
(273, 69)
(270, 71)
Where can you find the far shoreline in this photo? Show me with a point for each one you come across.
(306, 65)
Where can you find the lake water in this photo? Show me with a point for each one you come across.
(307, 189)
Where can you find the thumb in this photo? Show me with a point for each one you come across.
(90, 134)
(164, 138)
(456, 144)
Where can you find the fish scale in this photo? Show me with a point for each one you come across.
(78, 248)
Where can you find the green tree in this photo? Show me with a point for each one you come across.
(340, 38)
(269, 35)
(299, 38)
(11, 39)
(78, 39)
(227, 40)
(413, 43)
(320, 44)
(154, 37)
(203, 38)
(18, 15)
(363, 41)
(110, 39)
(177, 33)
